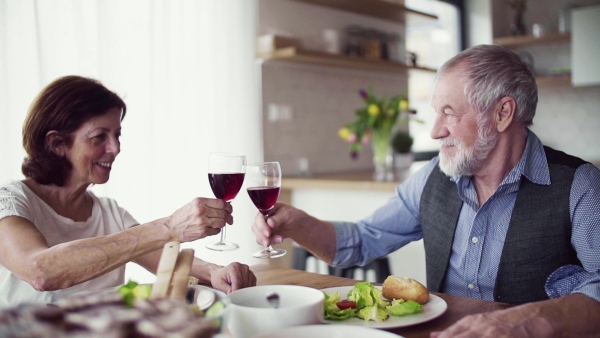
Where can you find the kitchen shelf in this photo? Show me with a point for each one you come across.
(530, 40)
(293, 54)
(375, 8)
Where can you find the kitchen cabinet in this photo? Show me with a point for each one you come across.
(377, 9)
(293, 54)
(528, 40)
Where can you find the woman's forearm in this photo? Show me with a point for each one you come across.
(74, 262)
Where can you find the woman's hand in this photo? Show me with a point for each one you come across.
(232, 277)
(200, 218)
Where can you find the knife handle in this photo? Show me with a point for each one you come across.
(166, 264)
(181, 275)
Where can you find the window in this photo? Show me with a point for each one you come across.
(433, 42)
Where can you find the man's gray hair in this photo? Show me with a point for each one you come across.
(492, 72)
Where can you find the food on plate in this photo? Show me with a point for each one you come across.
(365, 301)
(125, 311)
(405, 288)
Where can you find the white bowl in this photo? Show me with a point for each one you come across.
(250, 313)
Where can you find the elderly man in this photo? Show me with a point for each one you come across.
(503, 217)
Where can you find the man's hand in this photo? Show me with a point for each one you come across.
(501, 323)
(574, 315)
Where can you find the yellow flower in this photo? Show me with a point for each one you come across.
(403, 105)
(373, 109)
(346, 134)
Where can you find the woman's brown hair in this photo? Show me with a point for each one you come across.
(64, 105)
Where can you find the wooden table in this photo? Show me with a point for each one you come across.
(458, 307)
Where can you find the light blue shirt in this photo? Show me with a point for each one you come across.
(480, 232)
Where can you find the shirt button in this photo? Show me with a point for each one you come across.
(474, 240)
(471, 286)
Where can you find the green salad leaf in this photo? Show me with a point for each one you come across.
(215, 309)
(370, 305)
(374, 313)
(332, 311)
(400, 307)
(133, 290)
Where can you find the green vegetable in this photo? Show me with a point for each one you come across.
(215, 309)
(400, 307)
(370, 305)
(133, 290)
(142, 291)
(374, 313)
(332, 311)
(361, 294)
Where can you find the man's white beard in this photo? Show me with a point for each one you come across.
(468, 160)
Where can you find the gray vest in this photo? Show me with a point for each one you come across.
(538, 240)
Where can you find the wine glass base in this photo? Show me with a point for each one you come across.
(266, 253)
(222, 246)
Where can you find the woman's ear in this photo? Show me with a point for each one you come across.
(56, 143)
(505, 113)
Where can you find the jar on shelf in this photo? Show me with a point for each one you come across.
(354, 40)
(372, 44)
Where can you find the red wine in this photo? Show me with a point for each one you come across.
(226, 186)
(264, 197)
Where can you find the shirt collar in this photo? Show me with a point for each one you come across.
(534, 162)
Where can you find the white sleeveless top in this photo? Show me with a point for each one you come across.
(16, 199)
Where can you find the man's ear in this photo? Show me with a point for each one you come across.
(56, 143)
(505, 113)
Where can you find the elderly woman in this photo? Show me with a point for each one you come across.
(58, 238)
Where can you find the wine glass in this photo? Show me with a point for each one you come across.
(263, 183)
(225, 175)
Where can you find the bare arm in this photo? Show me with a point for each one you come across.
(25, 252)
(286, 221)
(574, 315)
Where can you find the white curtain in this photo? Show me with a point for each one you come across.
(186, 70)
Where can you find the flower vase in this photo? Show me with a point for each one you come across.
(383, 160)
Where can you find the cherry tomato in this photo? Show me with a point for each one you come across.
(346, 304)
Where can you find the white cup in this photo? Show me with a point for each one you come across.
(538, 30)
(331, 39)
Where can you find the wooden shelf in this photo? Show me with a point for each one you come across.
(553, 80)
(293, 54)
(374, 8)
(530, 40)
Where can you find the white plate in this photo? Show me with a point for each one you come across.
(204, 298)
(431, 310)
(329, 331)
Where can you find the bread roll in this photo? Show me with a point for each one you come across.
(405, 288)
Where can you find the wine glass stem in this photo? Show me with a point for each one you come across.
(223, 234)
